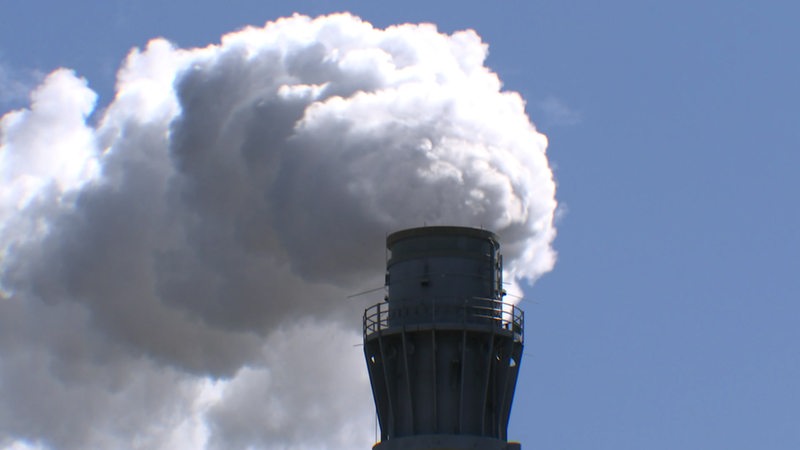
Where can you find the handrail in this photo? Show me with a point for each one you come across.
(445, 310)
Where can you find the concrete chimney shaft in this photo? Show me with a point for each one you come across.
(443, 350)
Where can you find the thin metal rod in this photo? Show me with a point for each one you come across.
(391, 425)
(408, 382)
(489, 373)
(461, 380)
(435, 382)
(503, 402)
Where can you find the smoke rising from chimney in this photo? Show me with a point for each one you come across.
(174, 275)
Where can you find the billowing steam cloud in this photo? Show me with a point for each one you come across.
(175, 275)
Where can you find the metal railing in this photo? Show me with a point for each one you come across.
(445, 311)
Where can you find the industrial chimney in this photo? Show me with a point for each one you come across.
(443, 350)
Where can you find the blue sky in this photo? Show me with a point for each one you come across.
(671, 319)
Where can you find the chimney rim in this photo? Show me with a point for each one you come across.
(439, 230)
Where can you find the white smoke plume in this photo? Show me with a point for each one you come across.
(174, 273)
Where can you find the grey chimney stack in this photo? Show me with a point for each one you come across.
(443, 350)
